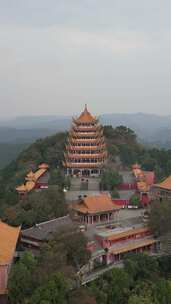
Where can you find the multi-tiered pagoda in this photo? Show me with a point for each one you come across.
(86, 150)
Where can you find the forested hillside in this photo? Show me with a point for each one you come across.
(8, 152)
(121, 144)
(49, 150)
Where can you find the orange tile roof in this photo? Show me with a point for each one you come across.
(30, 175)
(142, 186)
(96, 204)
(21, 188)
(166, 184)
(32, 178)
(126, 233)
(86, 116)
(132, 246)
(27, 187)
(8, 240)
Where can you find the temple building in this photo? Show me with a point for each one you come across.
(144, 180)
(8, 240)
(35, 180)
(32, 238)
(85, 150)
(112, 245)
(162, 190)
(95, 209)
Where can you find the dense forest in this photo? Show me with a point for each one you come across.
(9, 151)
(50, 278)
(122, 142)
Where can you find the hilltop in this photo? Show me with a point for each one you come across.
(152, 130)
(121, 142)
(123, 151)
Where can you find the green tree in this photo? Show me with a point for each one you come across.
(141, 267)
(160, 217)
(54, 291)
(56, 177)
(135, 201)
(118, 289)
(21, 282)
(115, 193)
(38, 207)
(134, 299)
(74, 245)
(128, 154)
(162, 292)
(110, 179)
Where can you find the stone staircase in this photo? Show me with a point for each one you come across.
(93, 184)
(77, 184)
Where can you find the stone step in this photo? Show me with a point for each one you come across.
(77, 184)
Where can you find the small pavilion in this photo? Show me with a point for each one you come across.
(96, 209)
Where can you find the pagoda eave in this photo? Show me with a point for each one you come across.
(83, 156)
(78, 140)
(89, 148)
(83, 165)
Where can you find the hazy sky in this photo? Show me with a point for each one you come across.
(57, 55)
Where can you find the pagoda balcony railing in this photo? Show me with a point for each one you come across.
(84, 129)
(86, 152)
(85, 134)
(75, 156)
(84, 165)
(93, 148)
(77, 140)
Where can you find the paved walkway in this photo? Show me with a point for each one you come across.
(90, 183)
(96, 274)
(74, 195)
(82, 187)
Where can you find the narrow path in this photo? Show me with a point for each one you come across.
(96, 274)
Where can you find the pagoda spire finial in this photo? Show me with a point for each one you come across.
(85, 107)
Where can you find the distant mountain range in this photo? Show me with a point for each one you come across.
(150, 128)
(16, 134)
